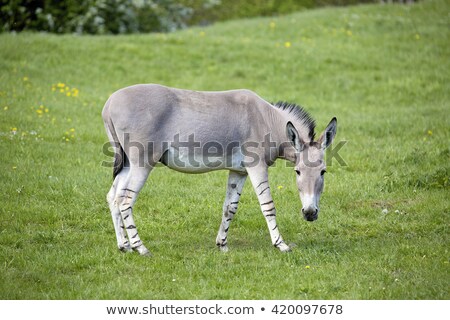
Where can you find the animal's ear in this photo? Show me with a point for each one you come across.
(328, 135)
(294, 137)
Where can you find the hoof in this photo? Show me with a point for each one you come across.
(125, 249)
(283, 247)
(223, 248)
(143, 251)
(146, 254)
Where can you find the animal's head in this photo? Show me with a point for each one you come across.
(310, 167)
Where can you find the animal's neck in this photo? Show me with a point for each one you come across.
(279, 120)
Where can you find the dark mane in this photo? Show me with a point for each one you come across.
(300, 114)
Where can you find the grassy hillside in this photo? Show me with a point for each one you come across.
(381, 70)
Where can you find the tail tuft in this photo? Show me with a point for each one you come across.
(119, 160)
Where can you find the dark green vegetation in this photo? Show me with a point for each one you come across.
(131, 16)
(381, 70)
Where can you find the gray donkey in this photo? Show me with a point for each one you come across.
(194, 132)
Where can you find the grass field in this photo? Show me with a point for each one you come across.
(383, 71)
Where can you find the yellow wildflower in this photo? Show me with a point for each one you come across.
(72, 130)
(287, 44)
(25, 79)
(75, 92)
(430, 132)
(280, 187)
(272, 24)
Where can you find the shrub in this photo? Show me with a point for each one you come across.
(94, 16)
(129, 16)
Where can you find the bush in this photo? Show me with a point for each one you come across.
(94, 16)
(130, 16)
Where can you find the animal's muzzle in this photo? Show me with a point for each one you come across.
(310, 213)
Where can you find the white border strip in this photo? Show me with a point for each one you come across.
(224, 309)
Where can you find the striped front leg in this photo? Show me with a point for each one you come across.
(260, 183)
(234, 188)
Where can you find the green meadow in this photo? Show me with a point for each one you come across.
(383, 230)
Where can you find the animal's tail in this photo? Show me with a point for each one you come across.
(119, 160)
(119, 154)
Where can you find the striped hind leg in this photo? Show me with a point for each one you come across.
(234, 188)
(126, 196)
(122, 240)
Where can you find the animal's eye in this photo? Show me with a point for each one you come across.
(323, 172)
(297, 172)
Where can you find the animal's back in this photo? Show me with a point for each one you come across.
(152, 107)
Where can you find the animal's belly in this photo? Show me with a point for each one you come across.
(200, 161)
